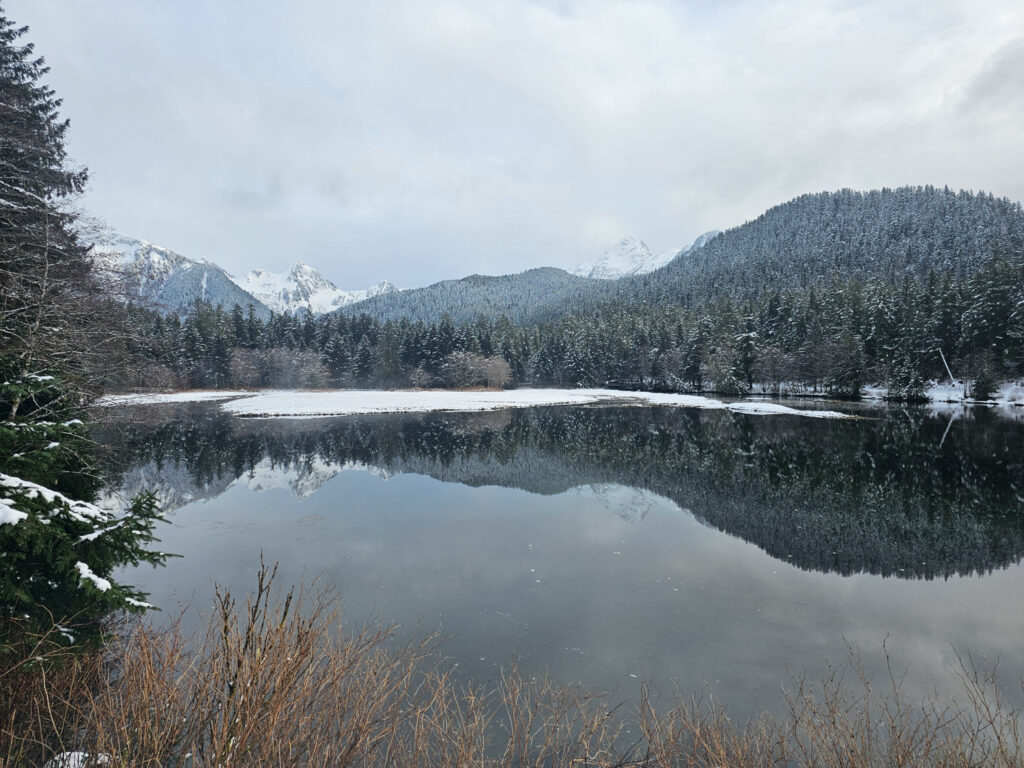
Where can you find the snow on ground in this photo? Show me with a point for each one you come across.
(1009, 393)
(755, 407)
(312, 403)
(154, 398)
(77, 760)
(352, 402)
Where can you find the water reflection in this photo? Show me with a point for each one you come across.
(589, 542)
(906, 494)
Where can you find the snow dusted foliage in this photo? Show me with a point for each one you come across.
(304, 289)
(885, 233)
(59, 550)
(631, 256)
(161, 279)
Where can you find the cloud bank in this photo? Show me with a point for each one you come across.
(418, 141)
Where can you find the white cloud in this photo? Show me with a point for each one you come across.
(419, 141)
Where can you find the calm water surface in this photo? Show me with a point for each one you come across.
(613, 545)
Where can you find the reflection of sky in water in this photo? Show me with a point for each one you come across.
(597, 584)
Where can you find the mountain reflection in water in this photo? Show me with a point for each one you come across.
(906, 494)
(610, 545)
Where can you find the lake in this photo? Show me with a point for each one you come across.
(612, 545)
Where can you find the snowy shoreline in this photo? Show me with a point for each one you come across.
(185, 396)
(347, 402)
(337, 402)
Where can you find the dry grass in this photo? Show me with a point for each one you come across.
(278, 682)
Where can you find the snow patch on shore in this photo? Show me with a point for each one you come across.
(156, 398)
(310, 404)
(340, 402)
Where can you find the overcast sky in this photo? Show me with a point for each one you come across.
(417, 141)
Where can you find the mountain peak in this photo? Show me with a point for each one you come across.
(630, 242)
(308, 279)
(304, 289)
(631, 256)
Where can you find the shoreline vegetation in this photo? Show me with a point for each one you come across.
(280, 679)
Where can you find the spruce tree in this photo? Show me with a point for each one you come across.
(59, 551)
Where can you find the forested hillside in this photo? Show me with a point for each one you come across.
(825, 294)
(833, 339)
(537, 294)
(812, 241)
(886, 234)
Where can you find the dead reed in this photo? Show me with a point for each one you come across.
(277, 681)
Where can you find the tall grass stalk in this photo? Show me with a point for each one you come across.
(279, 681)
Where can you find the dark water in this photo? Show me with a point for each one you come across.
(613, 545)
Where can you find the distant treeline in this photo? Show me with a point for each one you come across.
(831, 336)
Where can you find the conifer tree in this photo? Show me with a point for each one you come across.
(59, 551)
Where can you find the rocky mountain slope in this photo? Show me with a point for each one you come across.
(159, 278)
(303, 289)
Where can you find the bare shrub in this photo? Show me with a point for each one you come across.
(844, 721)
(246, 368)
(278, 367)
(420, 378)
(468, 369)
(276, 681)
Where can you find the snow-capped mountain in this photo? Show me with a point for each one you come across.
(162, 279)
(630, 504)
(303, 478)
(631, 256)
(302, 288)
(172, 483)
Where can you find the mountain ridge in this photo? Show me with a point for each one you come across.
(794, 245)
(163, 279)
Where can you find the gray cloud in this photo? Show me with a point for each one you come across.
(418, 141)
